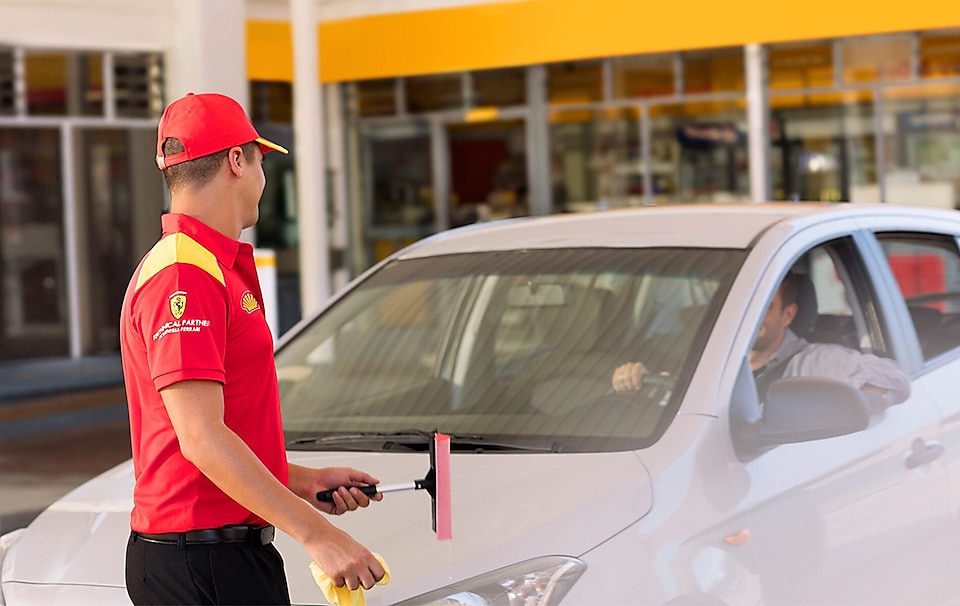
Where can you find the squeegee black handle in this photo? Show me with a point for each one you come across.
(326, 496)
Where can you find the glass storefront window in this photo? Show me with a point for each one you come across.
(434, 93)
(644, 76)
(109, 230)
(876, 59)
(595, 159)
(698, 152)
(575, 82)
(500, 87)
(824, 151)
(940, 54)
(64, 84)
(922, 157)
(797, 66)
(488, 171)
(271, 102)
(278, 226)
(8, 106)
(138, 85)
(87, 84)
(375, 97)
(397, 181)
(825, 139)
(33, 318)
(115, 194)
(46, 83)
(713, 71)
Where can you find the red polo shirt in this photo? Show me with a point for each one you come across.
(193, 310)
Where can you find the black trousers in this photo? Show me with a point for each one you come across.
(209, 573)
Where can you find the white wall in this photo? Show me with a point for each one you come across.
(89, 24)
(333, 10)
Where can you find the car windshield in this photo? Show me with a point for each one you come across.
(505, 350)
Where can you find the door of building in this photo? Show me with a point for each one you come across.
(398, 189)
(488, 171)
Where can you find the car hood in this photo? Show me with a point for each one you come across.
(506, 508)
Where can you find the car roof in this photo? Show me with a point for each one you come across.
(691, 225)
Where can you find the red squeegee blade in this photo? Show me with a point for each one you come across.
(443, 519)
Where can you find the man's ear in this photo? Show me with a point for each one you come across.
(235, 160)
(789, 313)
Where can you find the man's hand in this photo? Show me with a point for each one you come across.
(628, 377)
(345, 561)
(307, 482)
(878, 398)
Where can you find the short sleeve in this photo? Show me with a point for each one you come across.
(181, 314)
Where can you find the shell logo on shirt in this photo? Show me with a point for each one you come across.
(178, 304)
(249, 302)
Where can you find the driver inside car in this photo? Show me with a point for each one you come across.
(778, 351)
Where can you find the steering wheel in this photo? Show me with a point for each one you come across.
(658, 388)
(655, 388)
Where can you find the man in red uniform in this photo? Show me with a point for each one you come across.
(212, 479)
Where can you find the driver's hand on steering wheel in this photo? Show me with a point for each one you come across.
(628, 377)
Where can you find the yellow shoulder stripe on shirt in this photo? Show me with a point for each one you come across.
(179, 248)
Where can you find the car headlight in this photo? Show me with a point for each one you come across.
(538, 582)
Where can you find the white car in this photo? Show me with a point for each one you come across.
(505, 337)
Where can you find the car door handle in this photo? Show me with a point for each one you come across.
(922, 452)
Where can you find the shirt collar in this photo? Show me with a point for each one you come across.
(223, 247)
(792, 343)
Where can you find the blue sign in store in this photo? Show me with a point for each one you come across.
(928, 121)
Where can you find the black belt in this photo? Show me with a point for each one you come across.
(261, 535)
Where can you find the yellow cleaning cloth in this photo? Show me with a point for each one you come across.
(341, 596)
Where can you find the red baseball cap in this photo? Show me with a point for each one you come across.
(205, 124)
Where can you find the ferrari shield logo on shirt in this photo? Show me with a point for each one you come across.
(179, 325)
(178, 304)
(249, 302)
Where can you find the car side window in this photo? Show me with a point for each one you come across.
(835, 305)
(837, 319)
(839, 299)
(927, 270)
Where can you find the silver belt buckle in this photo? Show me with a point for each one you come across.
(267, 535)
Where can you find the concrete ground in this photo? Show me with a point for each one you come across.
(51, 444)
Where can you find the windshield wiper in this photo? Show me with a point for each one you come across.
(389, 438)
(415, 439)
(480, 444)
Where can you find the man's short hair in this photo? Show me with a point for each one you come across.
(199, 171)
(789, 289)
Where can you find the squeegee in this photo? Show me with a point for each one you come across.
(436, 483)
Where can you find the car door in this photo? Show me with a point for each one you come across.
(926, 268)
(848, 519)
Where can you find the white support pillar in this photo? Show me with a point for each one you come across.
(208, 49)
(538, 143)
(75, 310)
(336, 160)
(208, 54)
(311, 167)
(440, 167)
(757, 123)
